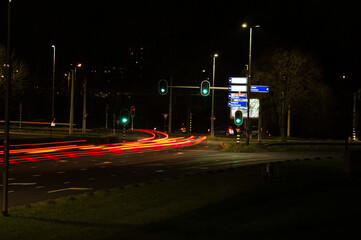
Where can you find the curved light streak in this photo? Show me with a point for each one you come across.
(73, 149)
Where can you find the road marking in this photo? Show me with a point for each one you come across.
(90, 179)
(178, 153)
(102, 163)
(66, 182)
(60, 172)
(114, 175)
(36, 175)
(70, 189)
(82, 169)
(39, 187)
(22, 184)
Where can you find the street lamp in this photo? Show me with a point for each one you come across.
(5, 168)
(71, 114)
(53, 92)
(245, 25)
(212, 111)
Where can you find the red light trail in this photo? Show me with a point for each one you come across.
(23, 153)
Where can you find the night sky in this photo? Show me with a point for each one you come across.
(179, 37)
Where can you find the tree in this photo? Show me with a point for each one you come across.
(294, 79)
(19, 77)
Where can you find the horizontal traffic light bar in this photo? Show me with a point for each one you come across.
(197, 87)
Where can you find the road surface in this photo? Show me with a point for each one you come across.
(36, 181)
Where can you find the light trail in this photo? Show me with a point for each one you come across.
(73, 149)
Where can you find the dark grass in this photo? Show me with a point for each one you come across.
(305, 200)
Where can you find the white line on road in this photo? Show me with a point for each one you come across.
(70, 189)
(22, 184)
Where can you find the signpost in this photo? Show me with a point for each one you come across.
(237, 95)
(237, 88)
(238, 80)
(260, 89)
(237, 104)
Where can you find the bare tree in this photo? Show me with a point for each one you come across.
(293, 77)
(20, 74)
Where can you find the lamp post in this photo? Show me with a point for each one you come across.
(248, 131)
(212, 111)
(5, 173)
(53, 90)
(71, 114)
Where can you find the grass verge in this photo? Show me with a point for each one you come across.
(306, 200)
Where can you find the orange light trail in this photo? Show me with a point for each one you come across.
(73, 149)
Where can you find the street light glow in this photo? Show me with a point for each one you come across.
(244, 25)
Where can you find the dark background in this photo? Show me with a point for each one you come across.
(143, 42)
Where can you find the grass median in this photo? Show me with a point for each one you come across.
(303, 200)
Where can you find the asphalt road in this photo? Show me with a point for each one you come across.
(31, 182)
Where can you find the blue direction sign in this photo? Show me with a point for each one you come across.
(237, 104)
(260, 89)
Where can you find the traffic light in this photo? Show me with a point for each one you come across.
(238, 118)
(124, 116)
(124, 120)
(205, 87)
(132, 111)
(163, 87)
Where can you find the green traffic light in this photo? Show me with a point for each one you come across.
(124, 120)
(238, 120)
(162, 90)
(205, 91)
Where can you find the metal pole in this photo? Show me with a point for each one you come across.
(4, 210)
(71, 117)
(212, 110)
(170, 107)
(53, 92)
(84, 107)
(249, 86)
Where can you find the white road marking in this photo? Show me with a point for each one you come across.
(36, 175)
(63, 161)
(82, 169)
(70, 189)
(60, 172)
(39, 187)
(22, 184)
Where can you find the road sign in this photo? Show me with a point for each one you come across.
(237, 88)
(253, 111)
(260, 89)
(237, 104)
(238, 80)
(237, 95)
